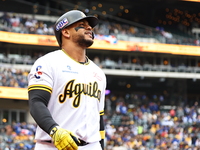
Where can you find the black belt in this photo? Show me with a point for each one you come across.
(81, 143)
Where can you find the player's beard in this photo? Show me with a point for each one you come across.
(81, 41)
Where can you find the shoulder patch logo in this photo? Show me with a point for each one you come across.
(38, 72)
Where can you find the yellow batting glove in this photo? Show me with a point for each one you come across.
(64, 139)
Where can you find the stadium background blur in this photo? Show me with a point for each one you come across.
(149, 51)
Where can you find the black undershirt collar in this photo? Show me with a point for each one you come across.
(84, 62)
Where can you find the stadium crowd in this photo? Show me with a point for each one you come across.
(13, 22)
(12, 77)
(136, 126)
(147, 127)
(128, 127)
(17, 136)
(143, 127)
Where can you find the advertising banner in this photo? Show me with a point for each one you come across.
(13, 93)
(103, 42)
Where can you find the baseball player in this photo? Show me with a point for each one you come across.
(67, 90)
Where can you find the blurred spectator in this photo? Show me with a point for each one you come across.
(97, 61)
(13, 77)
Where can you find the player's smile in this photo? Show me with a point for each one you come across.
(89, 33)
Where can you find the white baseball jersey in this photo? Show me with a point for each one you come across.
(77, 93)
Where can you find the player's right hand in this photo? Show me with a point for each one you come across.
(62, 139)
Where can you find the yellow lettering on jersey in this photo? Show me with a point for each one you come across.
(75, 90)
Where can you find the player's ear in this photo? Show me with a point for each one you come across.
(66, 33)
